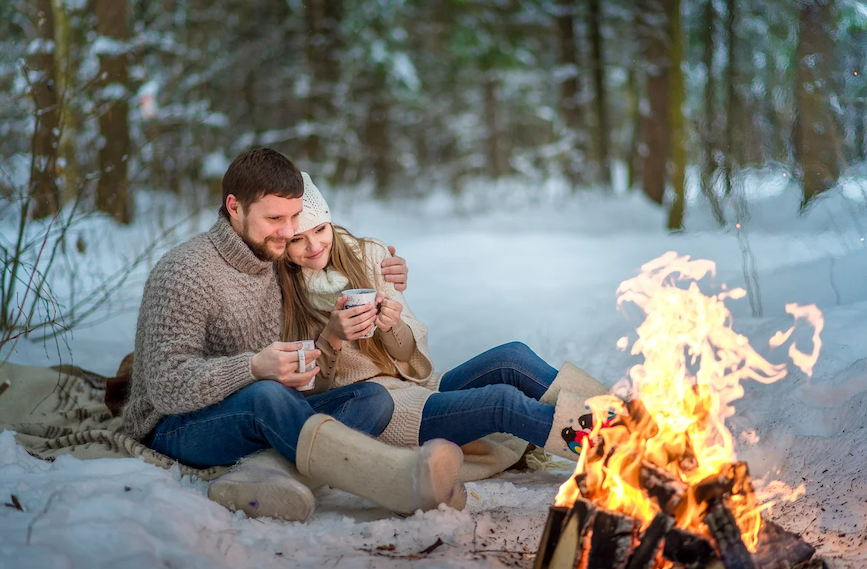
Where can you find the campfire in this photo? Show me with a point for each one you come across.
(658, 483)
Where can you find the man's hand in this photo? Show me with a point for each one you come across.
(279, 362)
(389, 313)
(394, 270)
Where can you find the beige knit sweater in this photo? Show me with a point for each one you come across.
(209, 305)
(417, 379)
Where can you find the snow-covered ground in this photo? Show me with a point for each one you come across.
(537, 266)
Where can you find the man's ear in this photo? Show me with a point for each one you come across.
(233, 206)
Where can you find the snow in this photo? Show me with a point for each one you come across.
(520, 261)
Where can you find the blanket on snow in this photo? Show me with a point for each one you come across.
(62, 410)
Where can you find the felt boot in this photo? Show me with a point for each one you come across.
(400, 479)
(574, 379)
(265, 484)
(573, 423)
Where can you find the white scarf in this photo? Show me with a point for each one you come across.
(324, 287)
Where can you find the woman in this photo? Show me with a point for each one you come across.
(508, 389)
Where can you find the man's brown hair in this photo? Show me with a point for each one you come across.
(257, 173)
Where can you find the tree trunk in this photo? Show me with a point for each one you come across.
(731, 97)
(496, 168)
(43, 170)
(633, 98)
(656, 140)
(377, 133)
(677, 130)
(65, 73)
(570, 90)
(815, 128)
(600, 91)
(112, 192)
(708, 132)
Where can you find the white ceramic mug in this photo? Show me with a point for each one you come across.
(360, 297)
(304, 365)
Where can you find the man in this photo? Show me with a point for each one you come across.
(211, 383)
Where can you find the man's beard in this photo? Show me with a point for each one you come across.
(261, 249)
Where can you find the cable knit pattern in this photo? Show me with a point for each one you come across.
(208, 307)
(418, 380)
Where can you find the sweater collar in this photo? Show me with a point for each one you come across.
(233, 249)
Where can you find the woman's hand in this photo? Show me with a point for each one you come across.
(349, 324)
(389, 313)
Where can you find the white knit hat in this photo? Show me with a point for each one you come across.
(315, 210)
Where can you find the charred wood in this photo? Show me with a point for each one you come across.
(639, 420)
(690, 550)
(570, 546)
(612, 541)
(812, 564)
(651, 542)
(662, 486)
(734, 479)
(781, 549)
(727, 534)
(550, 536)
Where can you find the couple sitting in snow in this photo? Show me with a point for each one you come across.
(217, 373)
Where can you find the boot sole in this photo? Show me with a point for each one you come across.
(287, 499)
(437, 476)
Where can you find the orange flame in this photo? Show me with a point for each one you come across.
(693, 366)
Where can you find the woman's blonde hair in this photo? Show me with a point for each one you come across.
(301, 320)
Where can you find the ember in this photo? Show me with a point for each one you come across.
(661, 485)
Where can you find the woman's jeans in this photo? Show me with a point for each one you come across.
(495, 392)
(262, 415)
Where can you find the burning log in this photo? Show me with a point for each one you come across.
(645, 554)
(781, 549)
(735, 479)
(690, 550)
(550, 536)
(725, 531)
(612, 541)
(570, 548)
(639, 420)
(662, 486)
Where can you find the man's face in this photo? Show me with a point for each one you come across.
(266, 225)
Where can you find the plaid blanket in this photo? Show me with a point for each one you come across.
(62, 410)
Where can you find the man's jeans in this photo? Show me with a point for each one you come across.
(262, 415)
(495, 392)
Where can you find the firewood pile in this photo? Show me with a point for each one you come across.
(585, 534)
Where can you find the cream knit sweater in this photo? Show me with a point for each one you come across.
(418, 380)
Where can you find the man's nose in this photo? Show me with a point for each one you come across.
(287, 230)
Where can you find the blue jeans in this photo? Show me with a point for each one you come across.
(262, 415)
(495, 392)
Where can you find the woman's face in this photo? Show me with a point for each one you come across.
(312, 248)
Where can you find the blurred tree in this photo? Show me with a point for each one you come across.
(65, 71)
(731, 96)
(677, 124)
(653, 30)
(815, 136)
(708, 126)
(112, 191)
(44, 192)
(570, 90)
(600, 91)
